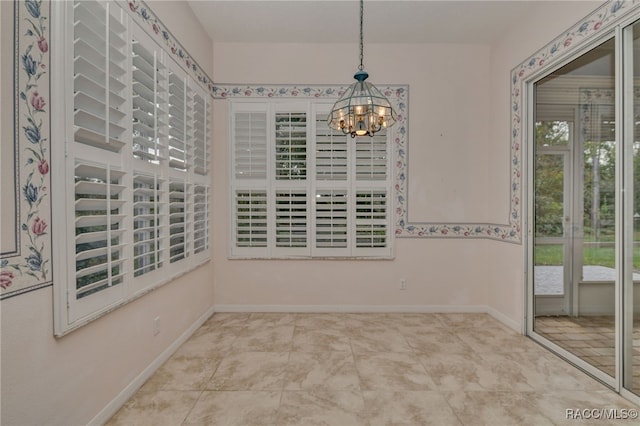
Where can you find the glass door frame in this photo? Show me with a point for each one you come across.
(627, 219)
(614, 382)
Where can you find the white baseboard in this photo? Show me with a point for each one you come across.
(107, 412)
(475, 309)
(519, 328)
(352, 308)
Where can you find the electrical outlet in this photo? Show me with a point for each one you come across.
(156, 326)
(403, 284)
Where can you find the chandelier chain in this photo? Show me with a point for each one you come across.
(361, 67)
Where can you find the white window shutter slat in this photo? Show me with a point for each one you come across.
(331, 151)
(251, 218)
(200, 130)
(99, 214)
(149, 103)
(250, 145)
(99, 102)
(372, 157)
(331, 219)
(290, 146)
(178, 102)
(291, 228)
(149, 214)
(371, 219)
(200, 218)
(178, 217)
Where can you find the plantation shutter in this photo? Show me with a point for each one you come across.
(199, 119)
(251, 218)
(178, 149)
(99, 207)
(372, 214)
(200, 129)
(250, 145)
(332, 220)
(290, 189)
(291, 145)
(149, 149)
(150, 108)
(99, 64)
(250, 233)
(178, 215)
(149, 217)
(371, 219)
(181, 136)
(291, 218)
(201, 165)
(331, 213)
(200, 218)
(302, 189)
(371, 157)
(136, 175)
(96, 139)
(331, 151)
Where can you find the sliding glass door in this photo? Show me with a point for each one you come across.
(631, 221)
(584, 250)
(574, 209)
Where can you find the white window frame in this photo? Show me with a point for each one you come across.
(352, 186)
(70, 310)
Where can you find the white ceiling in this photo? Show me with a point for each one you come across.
(337, 21)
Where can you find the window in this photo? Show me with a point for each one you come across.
(301, 189)
(135, 197)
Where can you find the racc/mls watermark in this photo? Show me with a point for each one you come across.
(601, 413)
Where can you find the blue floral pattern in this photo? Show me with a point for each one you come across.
(30, 269)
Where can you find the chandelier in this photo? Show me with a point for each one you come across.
(363, 109)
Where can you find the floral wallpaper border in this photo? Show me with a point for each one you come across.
(399, 98)
(598, 22)
(30, 268)
(163, 36)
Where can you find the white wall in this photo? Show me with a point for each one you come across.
(68, 381)
(506, 279)
(449, 120)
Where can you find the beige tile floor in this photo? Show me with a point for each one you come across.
(363, 369)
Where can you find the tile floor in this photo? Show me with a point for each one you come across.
(362, 369)
(591, 338)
